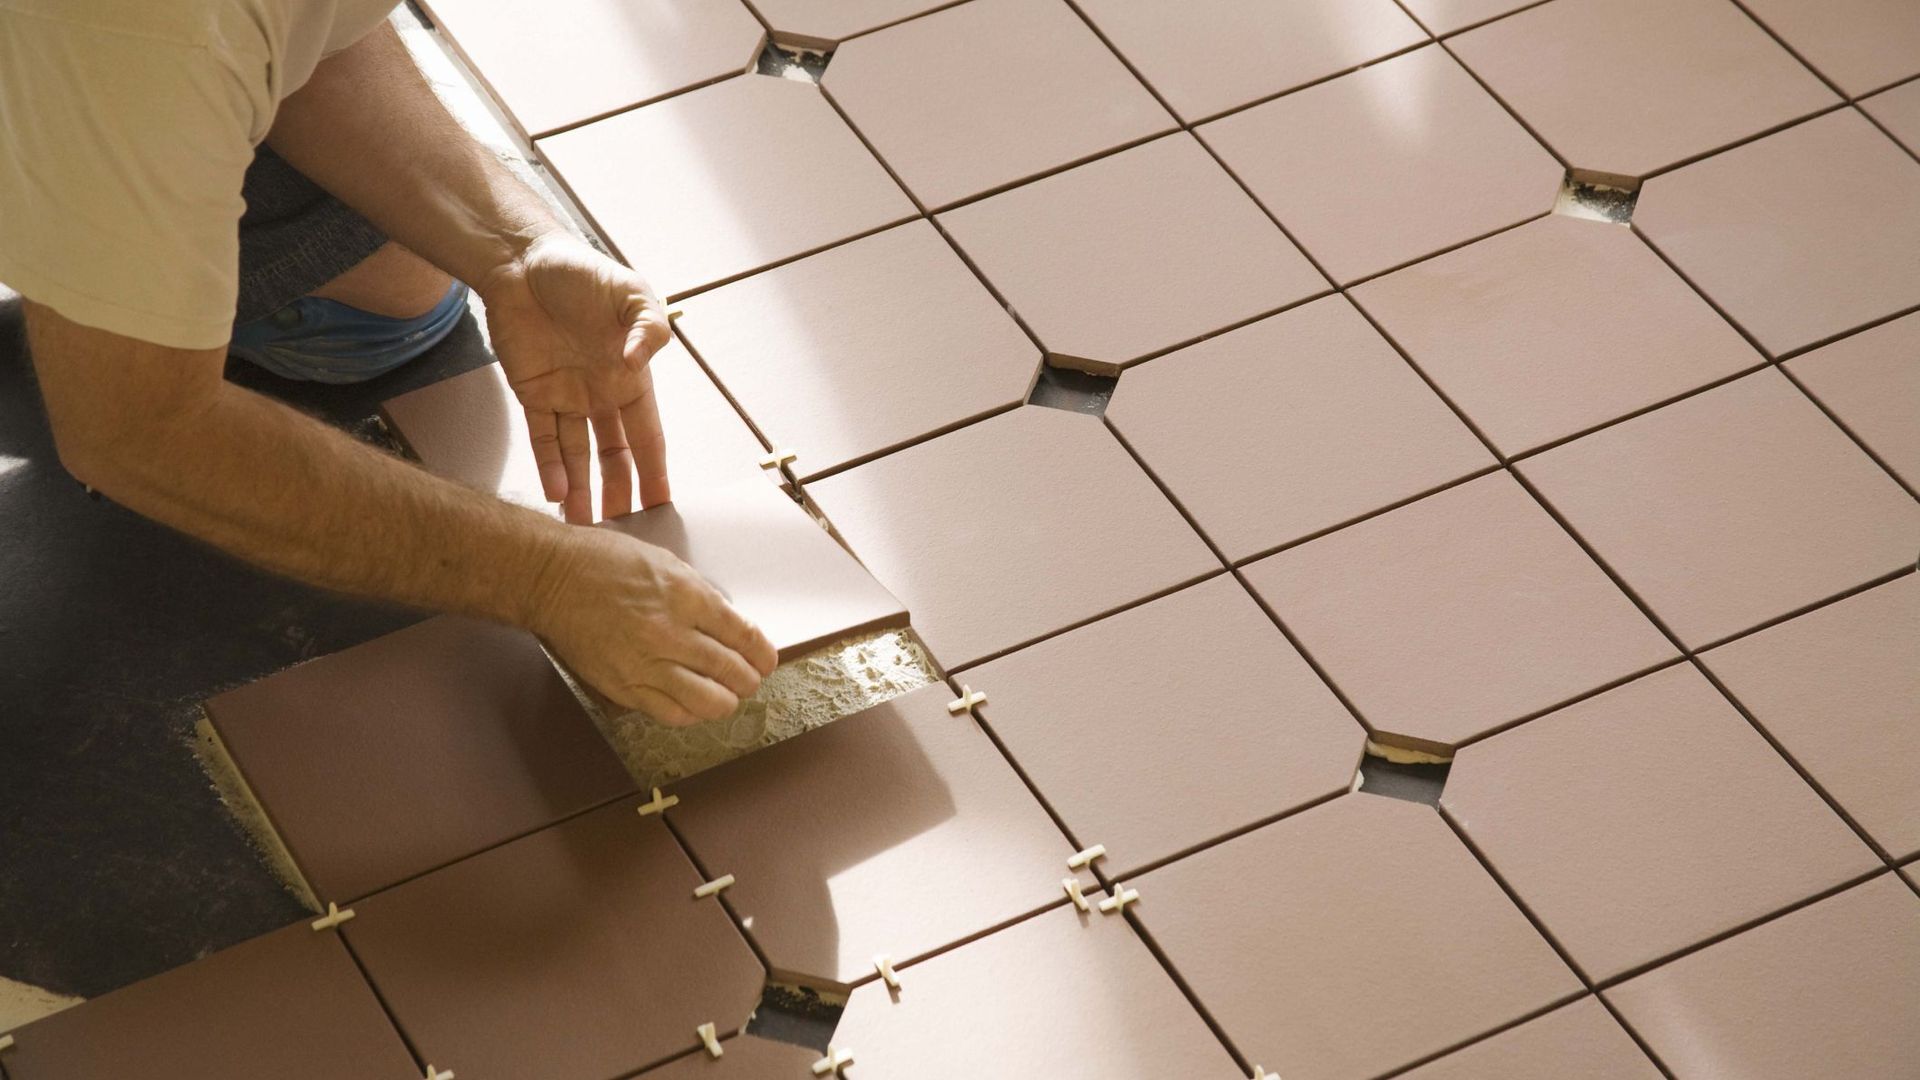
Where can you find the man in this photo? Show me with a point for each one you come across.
(182, 177)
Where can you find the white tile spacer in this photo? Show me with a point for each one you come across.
(885, 967)
(334, 917)
(713, 887)
(969, 700)
(1262, 1074)
(1119, 901)
(780, 459)
(435, 1075)
(1073, 893)
(1083, 859)
(6, 1042)
(710, 1039)
(659, 802)
(836, 1060)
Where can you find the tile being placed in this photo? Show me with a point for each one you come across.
(822, 24)
(1839, 689)
(773, 561)
(1629, 87)
(1861, 45)
(1348, 940)
(743, 1057)
(987, 94)
(1449, 16)
(1828, 990)
(289, 1003)
(1730, 507)
(1289, 426)
(892, 832)
(1645, 820)
(1010, 529)
(578, 951)
(1898, 110)
(1580, 1041)
(1799, 236)
(1132, 254)
(1388, 164)
(862, 348)
(725, 180)
(1170, 724)
(1871, 381)
(1453, 615)
(1554, 327)
(616, 53)
(1063, 994)
(411, 751)
(1207, 56)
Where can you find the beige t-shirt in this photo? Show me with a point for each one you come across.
(126, 127)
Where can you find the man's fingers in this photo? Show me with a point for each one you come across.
(543, 432)
(663, 709)
(616, 465)
(576, 454)
(641, 419)
(707, 656)
(730, 628)
(696, 693)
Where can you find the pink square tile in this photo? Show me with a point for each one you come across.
(1629, 87)
(1010, 529)
(1828, 990)
(1837, 688)
(1289, 426)
(1086, 716)
(1731, 507)
(1645, 820)
(914, 344)
(1580, 1041)
(1554, 327)
(1132, 254)
(1861, 45)
(1451, 616)
(1449, 16)
(725, 180)
(1898, 110)
(1207, 56)
(1348, 940)
(615, 53)
(987, 94)
(1389, 164)
(1871, 381)
(1799, 236)
(822, 24)
(743, 1057)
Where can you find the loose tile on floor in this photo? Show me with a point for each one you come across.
(1170, 724)
(1731, 507)
(987, 94)
(1838, 687)
(743, 1057)
(1013, 528)
(1871, 382)
(1645, 820)
(913, 344)
(1554, 327)
(1453, 615)
(1626, 88)
(1349, 940)
(1898, 110)
(1798, 237)
(1289, 426)
(1391, 163)
(725, 180)
(1828, 990)
(1581, 1041)
(1861, 45)
(580, 950)
(1132, 254)
(822, 24)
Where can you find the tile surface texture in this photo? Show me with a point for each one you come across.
(776, 564)
(1599, 819)
(289, 1003)
(1289, 426)
(1554, 327)
(820, 24)
(725, 180)
(1731, 507)
(1839, 688)
(1170, 724)
(1448, 16)
(615, 53)
(863, 347)
(1388, 164)
(1132, 254)
(744, 1057)
(1351, 939)
(1807, 233)
(987, 94)
(1828, 990)
(1861, 45)
(895, 831)
(1207, 56)
(1628, 87)
(1060, 995)
(1898, 110)
(577, 951)
(1575, 1042)
(1453, 615)
(411, 751)
(1010, 529)
(1871, 381)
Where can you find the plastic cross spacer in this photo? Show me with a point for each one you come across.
(658, 803)
(836, 1060)
(334, 917)
(713, 887)
(709, 1038)
(1073, 893)
(969, 700)
(1119, 901)
(1080, 860)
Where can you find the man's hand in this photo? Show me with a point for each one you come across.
(574, 331)
(644, 629)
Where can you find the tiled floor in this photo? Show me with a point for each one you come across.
(1617, 521)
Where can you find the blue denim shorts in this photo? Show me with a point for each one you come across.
(317, 340)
